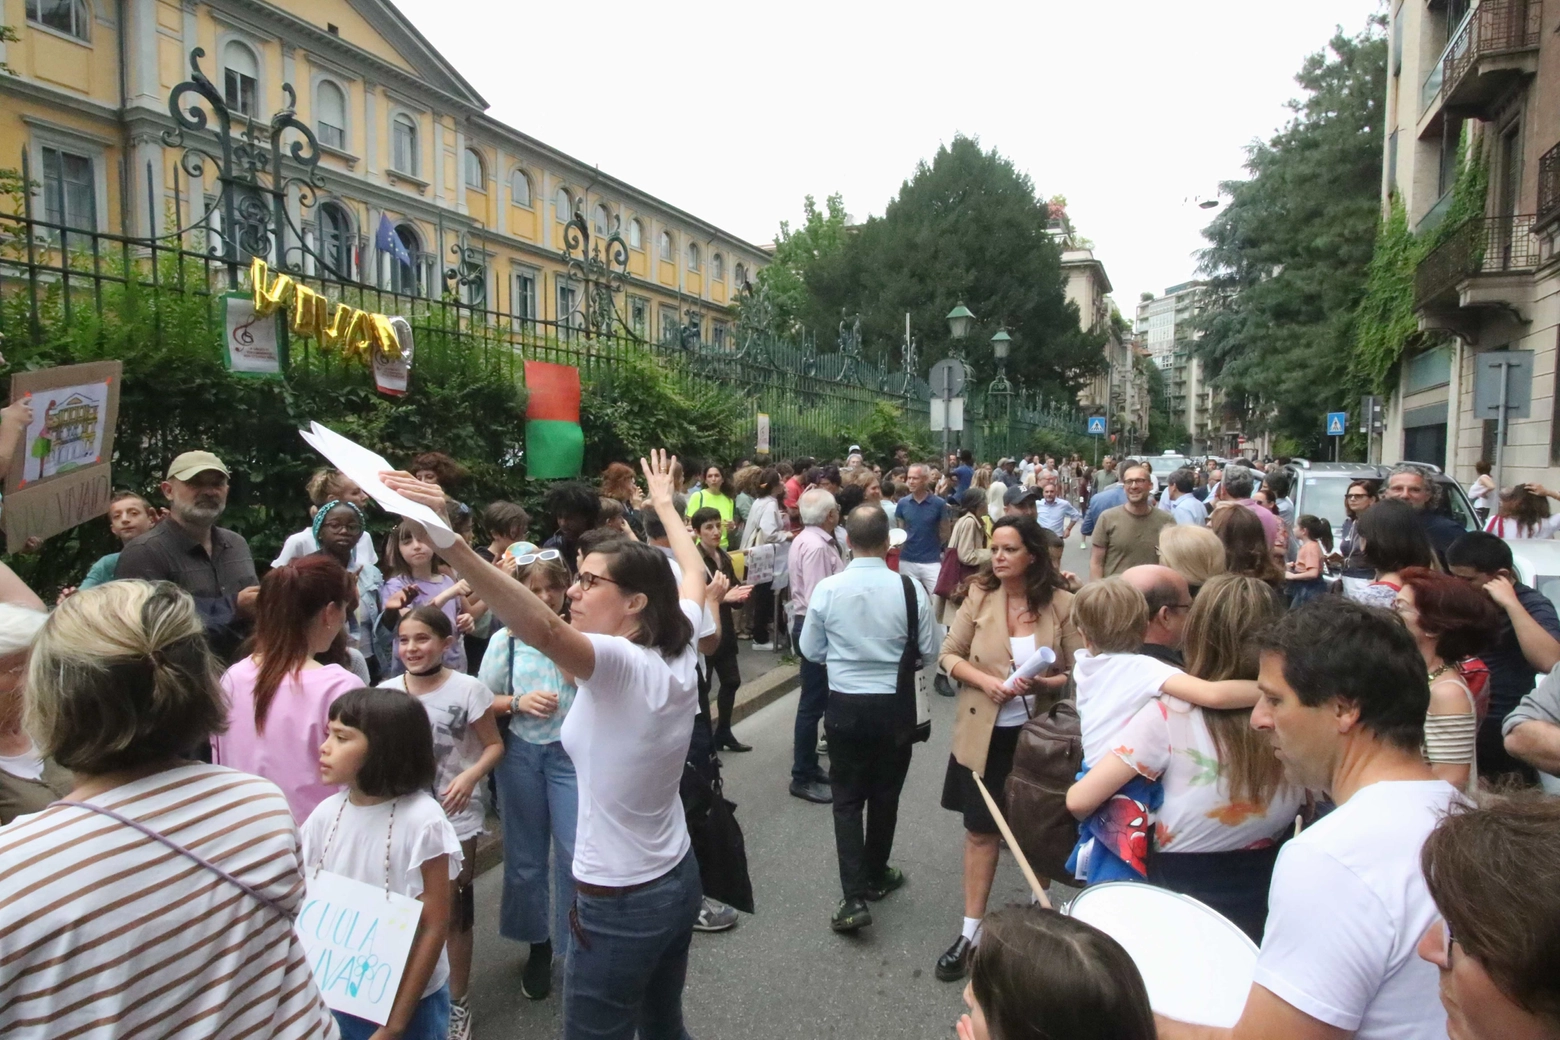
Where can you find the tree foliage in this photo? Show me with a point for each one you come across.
(820, 238)
(1288, 257)
(967, 227)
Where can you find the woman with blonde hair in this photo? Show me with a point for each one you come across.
(1195, 553)
(29, 781)
(1225, 799)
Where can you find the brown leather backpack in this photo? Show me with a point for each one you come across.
(1045, 764)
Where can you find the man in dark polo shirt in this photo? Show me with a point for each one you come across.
(209, 562)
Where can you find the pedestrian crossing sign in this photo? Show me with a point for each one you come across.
(1336, 422)
(1096, 426)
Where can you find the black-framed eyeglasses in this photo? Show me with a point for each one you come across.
(587, 580)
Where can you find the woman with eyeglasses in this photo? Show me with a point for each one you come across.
(630, 646)
(1350, 555)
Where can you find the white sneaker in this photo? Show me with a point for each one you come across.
(823, 745)
(460, 1020)
(763, 646)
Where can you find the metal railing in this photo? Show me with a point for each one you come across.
(1494, 27)
(1548, 187)
(1479, 246)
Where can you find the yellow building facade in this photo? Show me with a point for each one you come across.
(403, 136)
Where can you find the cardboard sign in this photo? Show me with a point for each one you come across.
(250, 341)
(760, 564)
(357, 938)
(61, 476)
(393, 376)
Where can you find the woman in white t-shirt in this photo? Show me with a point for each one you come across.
(1225, 800)
(630, 645)
(1524, 514)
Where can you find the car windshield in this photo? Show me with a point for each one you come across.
(1322, 495)
(1164, 465)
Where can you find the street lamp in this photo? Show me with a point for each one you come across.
(959, 321)
(1001, 390)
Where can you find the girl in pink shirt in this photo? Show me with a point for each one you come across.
(279, 696)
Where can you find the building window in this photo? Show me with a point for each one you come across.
(603, 220)
(524, 303)
(563, 205)
(718, 267)
(666, 246)
(520, 189)
(474, 175)
(240, 79)
(693, 256)
(67, 16)
(639, 315)
(636, 234)
(739, 275)
(568, 309)
(403, 142)
(330, 102)
(670, 326)
(718, 335)
(335, 241)
(403, 277)
(69, 190)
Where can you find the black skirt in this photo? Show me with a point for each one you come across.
(962, 796)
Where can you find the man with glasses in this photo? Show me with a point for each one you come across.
(1343, 699)
(1169, 599)
(1128, 535)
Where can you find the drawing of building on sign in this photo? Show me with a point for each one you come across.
(69, 434)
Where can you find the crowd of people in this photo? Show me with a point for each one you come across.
(1335, 744)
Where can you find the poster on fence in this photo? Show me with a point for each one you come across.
(357, 938)
(394, 377)
(60, 477)
(763, 433)
(250, 342)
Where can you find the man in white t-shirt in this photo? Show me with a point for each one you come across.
(1344, 697)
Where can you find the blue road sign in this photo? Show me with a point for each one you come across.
(1096, 426)
(1336, 421)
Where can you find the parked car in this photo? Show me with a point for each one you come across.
(1319, 488)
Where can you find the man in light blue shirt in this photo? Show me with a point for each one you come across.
(857, 627)
(1183, 504)
(1110, 498)
(1055, 514)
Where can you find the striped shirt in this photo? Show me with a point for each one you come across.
(107, 933)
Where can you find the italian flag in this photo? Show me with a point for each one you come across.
(554, 442)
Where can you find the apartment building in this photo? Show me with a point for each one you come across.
(1165, 327)
(1119, 391)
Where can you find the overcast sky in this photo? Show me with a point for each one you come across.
(735, 111)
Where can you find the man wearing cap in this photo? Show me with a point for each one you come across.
(209, 562)
(1019, 501)
(1056, 514)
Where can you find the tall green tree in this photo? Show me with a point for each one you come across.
(967, 227)
(819, 238)
(1288, 256)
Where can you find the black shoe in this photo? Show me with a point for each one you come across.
(893, 878)
(852, 915)
(954, 964)
(536, 979)
(812, 791)
(943, 686)
(821, 777)
(727, 741)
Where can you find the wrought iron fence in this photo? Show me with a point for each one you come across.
(1481, 245)
(1494, 27)
(1548, 187)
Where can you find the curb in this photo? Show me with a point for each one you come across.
(751, 698)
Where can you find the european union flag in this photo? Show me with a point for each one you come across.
(390, 242)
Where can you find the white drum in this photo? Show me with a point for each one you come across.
(1196, 965)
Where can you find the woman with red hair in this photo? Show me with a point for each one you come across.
(279, 696)
(1450, 620)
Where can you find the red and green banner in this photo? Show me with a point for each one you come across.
(554, 442)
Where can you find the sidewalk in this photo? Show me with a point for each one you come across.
(766, 677)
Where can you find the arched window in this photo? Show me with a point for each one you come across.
(718, 267)
(474, 174)
(520, 189)
(636, 234)
(563, 204)
(330, 107)
(403, 277)
(67, 16)
(666, 247)
(739, 275)
(693, 256)
(240, 79)
(335, 246)
(603, 220)
(403, 140)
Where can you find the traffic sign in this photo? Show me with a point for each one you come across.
(947, 378)
(1096, 425)
(1336, 423)
(947, 415)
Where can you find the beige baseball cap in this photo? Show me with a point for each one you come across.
(192, 462)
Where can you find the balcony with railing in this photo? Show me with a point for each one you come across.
(1495, 47)
(1548, 190)
(1482, 248)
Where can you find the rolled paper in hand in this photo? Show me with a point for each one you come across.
(1037, 662)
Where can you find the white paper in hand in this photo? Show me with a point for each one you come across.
(363, 467)
(1037, 662)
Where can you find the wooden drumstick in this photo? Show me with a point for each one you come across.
(1007, 833)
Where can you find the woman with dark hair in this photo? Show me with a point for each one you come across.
(1246, 549)
(1392, 540)
(1450, 620)
(629, 643)
(708, 527)
(279, 696)
(1040, 975)
(1480, 490)
(715, 493)
(1016, 604)
(108, 930)
(435, 467)
(767, 525)
(1350, 557)
(970, 539)
(1524, 513)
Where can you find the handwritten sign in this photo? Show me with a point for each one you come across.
(251, 348)
(357, 938)
(62, 477)
(392, 375)
(760, 564)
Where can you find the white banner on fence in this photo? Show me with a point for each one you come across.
(357, 938)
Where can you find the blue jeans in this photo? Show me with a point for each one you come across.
(431, 1020)
(539, 800)
(628, 964)
(809, 710)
